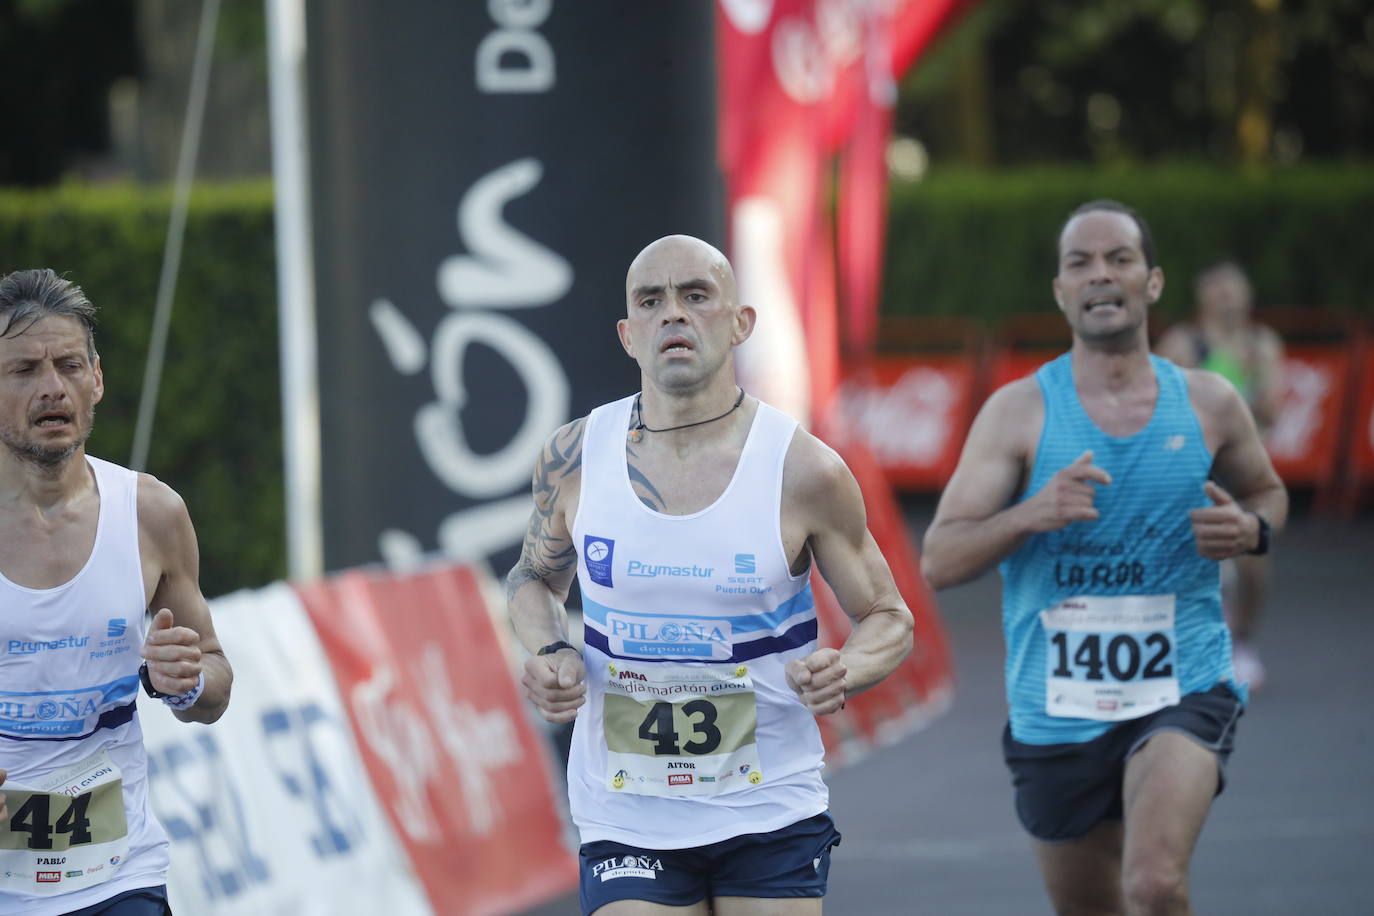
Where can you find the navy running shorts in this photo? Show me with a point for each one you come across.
(1064, 790)
(791, 862)
(143, 901)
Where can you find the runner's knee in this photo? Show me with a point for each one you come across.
(1155, 888)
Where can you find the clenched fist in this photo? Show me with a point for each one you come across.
(556, 684)
(1223, 529)
(819, 680)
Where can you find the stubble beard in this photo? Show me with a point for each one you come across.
(1118, 340)
(48, 460)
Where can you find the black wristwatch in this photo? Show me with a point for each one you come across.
(148, 687)
(1262, 545)
(555, 647)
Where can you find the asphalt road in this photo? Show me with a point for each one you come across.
(928, 824)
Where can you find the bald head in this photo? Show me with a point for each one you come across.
(679, 262)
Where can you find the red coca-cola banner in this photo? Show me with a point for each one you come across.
(912, 413)
(1303, 440)
(1362, 430)
(445, 736)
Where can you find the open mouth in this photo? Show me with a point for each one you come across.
(1099, 301)
(53, 420)
(675, 345)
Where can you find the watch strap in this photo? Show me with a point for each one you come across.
(556, 647)
(1262, 542)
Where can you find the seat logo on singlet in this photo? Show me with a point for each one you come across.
(598, 556)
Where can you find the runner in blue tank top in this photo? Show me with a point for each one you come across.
(1108, 486)
(690, 515)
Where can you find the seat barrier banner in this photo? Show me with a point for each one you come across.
(269, 810)
(1362, 440)
(1303, 440)
(445, 737)
(912, 413)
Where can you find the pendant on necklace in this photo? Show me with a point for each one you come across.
(635, 435)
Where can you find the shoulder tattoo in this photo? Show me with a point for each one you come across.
(546, 554)
(648, 494)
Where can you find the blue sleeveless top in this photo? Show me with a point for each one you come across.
(1142, 544)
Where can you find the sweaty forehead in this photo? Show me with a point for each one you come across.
(666, 264)
(50, 333)
(1099, 231)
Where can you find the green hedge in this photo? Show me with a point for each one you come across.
(217, 435)
(983, 244)
(970, 244)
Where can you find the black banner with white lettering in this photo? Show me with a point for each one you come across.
(482, 175)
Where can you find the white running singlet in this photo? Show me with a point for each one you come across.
(690, 734)
(77, 791)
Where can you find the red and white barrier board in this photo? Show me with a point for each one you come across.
(377, 755)
(1303, 440)
(270, 810)
(445, 736)
(1362, 438)
(912, 413)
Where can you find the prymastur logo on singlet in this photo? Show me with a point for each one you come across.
(27, 647)
(598, 554)
(643, 570)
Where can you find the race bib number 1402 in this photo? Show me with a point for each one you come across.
(1110, 658)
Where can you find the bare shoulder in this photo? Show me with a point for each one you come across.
(1011, 418)
(813, 470)
(166, 536)
(161, 510)
(1268, 341)
(1219, 406)
(819, 490)
(559, 468)
(1211, 392)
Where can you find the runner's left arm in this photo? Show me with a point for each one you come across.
(1246, 483)
(181, 643)
(829, 498)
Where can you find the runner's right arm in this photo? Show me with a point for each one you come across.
(976, 525)
(537, 586)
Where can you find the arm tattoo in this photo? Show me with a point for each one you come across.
(545, 554)
(648, 494)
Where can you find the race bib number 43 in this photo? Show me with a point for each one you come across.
(677, 730)
(1110, 658)
(67, 832)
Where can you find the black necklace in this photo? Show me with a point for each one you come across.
(638, 429)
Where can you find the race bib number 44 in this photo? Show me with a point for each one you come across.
(67, 832)
(679, 730)
(1110, 658)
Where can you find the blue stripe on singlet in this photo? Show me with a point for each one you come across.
(25, 717)
(797, 636)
